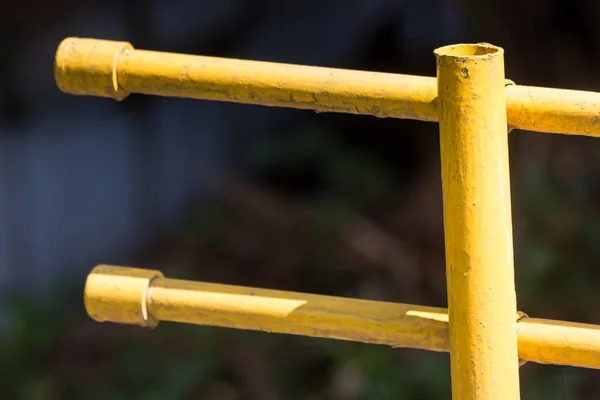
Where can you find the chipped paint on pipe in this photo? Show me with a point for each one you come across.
(144, 297)
(240, 81)
(114, 69)
(477, 222)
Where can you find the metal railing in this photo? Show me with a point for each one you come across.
(475, 106)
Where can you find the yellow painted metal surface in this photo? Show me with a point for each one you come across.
(119, 295)
(553, 110)
(558, 342)
(476, 106)
(228, 306)
(90, 69)
(477, 222)
(107, 299)
(241, 81)
(114, 69)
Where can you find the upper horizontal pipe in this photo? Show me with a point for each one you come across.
(144, 297)
(114, 69)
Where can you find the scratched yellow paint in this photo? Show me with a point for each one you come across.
(115, 69)
(144, 297)
(477, 222)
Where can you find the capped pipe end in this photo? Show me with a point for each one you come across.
(120, 295)
(89, 67)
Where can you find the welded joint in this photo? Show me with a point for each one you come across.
(509, 82)
(521, 316)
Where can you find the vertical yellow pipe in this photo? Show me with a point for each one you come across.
(477, 221)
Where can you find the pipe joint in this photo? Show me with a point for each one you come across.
(90, 67)
(117, 294)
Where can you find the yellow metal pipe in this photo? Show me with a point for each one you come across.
(477, 222)
(115, 69)
(558, 342)
(109, 69)
(115, 294)
(553, 110)
(144, 297)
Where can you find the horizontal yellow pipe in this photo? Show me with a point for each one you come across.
(114, 69)
(144, 297)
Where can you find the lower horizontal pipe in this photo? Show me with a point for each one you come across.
(144, 297)
(397, 325)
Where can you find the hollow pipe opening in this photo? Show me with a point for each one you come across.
(479, 50)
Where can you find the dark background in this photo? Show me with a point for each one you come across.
(293, 200)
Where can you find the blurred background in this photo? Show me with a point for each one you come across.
(273, 198)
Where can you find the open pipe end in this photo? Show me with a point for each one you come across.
(479, 50)
(89, 67)
(117, 294)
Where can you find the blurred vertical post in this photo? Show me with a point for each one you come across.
(477, 222)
